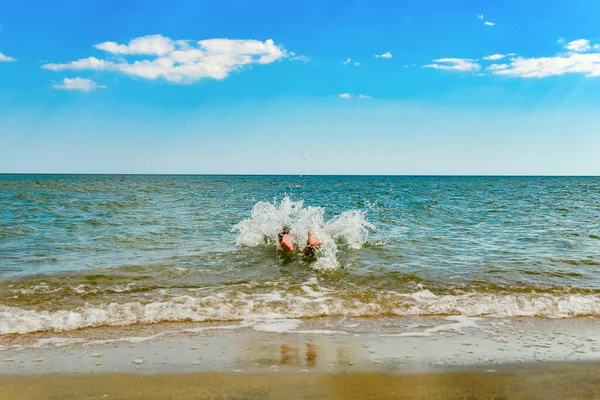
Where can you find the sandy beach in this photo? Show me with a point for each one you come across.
(420, 357)
(548, 381)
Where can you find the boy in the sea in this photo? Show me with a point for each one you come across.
(312, 243)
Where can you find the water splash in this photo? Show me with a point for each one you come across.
(350, 229)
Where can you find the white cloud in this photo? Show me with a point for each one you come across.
(588, 64)
(454, 64)
(579, 45)
(350, 96)
(384, 55)
(488, 23)
(349, 60)
(578, 61)
(495, 57)
(81, 64)
(4, 58)
(152, 69)
(181, 61)
(582, 57)
(497, 67)
(295, 57)
(150, 45)
(82, 84)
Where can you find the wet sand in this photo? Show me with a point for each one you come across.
(549, 381)
(384, 358)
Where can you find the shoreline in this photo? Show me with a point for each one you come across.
(408, 343)
(345, 358)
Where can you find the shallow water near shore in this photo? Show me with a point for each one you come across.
(351, 358)
(398, 345)
(86, 251)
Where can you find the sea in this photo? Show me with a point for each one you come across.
(80, 251)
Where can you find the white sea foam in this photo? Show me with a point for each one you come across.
(81, 289)
(322, 332)
(349, 229)
(41, 288)
(285, 325)
(57, 342)
(281, 304)
(460, 322)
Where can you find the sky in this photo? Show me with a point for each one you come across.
(300, 87)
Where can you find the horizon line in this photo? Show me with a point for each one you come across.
(298, 175)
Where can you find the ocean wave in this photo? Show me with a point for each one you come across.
(308, 302)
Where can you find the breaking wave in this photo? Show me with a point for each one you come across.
(349, 229)
(307, 301)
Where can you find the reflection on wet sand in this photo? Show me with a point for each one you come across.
(311, 355)
(290, 355)
(320, 353)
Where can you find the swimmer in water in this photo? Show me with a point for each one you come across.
(312, 243)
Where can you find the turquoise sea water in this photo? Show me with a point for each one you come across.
(89, 250)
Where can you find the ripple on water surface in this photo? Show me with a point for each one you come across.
(91, 250)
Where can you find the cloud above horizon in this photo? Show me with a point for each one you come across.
(488, 23)
(579, 45)
(454, 64)
(84, 85)
(384, 55)
(581, 57)
(5, 58)
(495, 57)
(351, 96)
(180, 61)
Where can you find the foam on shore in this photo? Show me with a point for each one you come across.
(309, 302)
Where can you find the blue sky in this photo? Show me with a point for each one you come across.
(310, 87)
